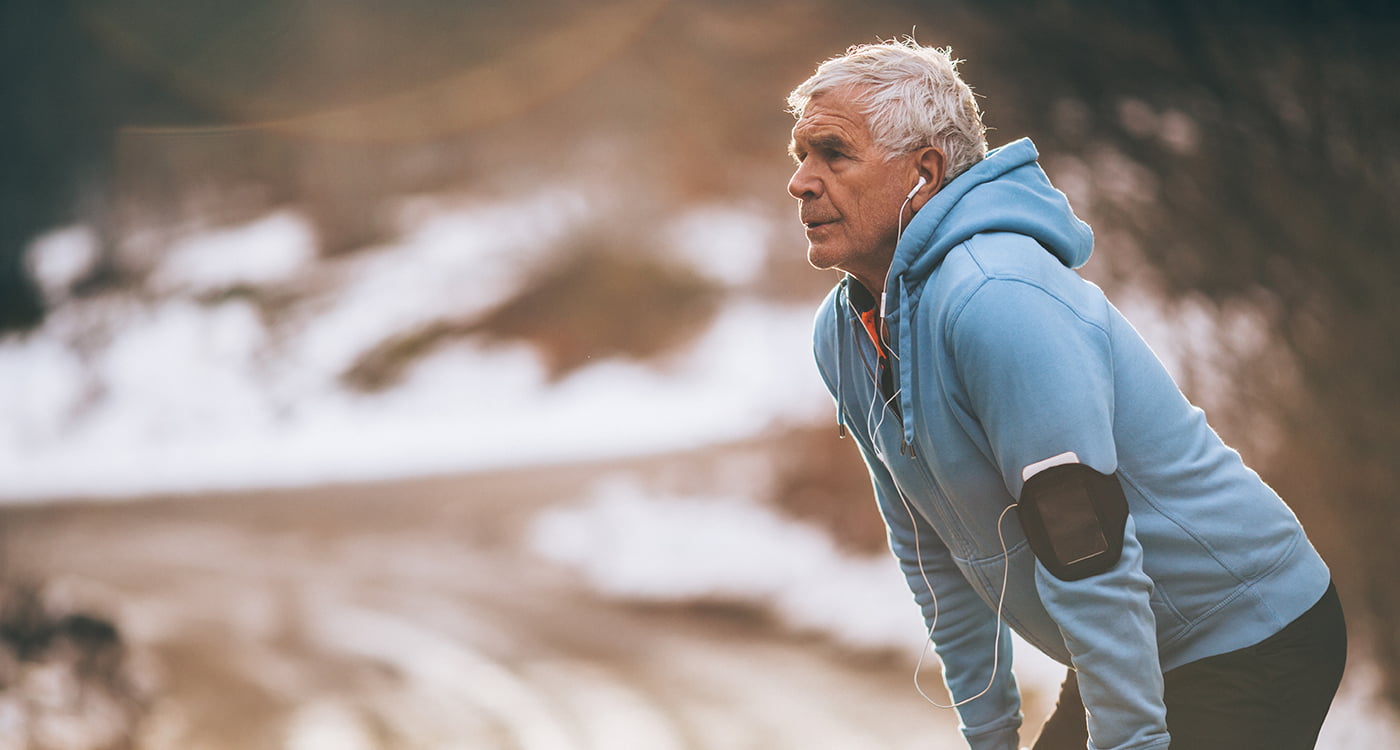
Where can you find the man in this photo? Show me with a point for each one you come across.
(1035, 464)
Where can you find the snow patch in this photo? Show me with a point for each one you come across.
(632, 544)
(275, 248)
(726, 243)
(60, 258)
(327, 725)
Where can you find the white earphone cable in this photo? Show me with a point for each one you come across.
(913, 522)
(898, 234)
(1001, 600)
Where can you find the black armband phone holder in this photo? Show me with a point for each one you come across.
(1074, 518)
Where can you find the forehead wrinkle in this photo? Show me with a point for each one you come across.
(829, 130)
(821, 136)
(830, 124)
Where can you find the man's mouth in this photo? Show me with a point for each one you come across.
(818, 223)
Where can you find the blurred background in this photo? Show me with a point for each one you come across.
(436, 374)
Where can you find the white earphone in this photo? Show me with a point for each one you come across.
(922, 181)
(900, 231)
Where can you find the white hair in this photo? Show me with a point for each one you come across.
(913, 96)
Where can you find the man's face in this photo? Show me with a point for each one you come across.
(850, 195)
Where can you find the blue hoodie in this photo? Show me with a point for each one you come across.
(1002, 357)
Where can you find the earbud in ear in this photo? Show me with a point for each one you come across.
(922, 181)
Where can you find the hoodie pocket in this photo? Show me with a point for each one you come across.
(1171, 625)
(1022, 610)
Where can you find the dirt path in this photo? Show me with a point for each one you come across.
(407, 615)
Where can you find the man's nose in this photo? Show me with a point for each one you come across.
(804, 185)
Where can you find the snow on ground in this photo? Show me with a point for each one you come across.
(177, 388)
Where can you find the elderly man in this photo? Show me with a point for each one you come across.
(1036, 466)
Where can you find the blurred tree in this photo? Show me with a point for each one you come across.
(53, 126)
(64, 99)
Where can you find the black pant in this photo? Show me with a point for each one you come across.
(1269, 696)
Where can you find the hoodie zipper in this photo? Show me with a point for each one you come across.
(951, 521)
(881, 370)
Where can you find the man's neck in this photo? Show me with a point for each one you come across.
(873, 282)
(872, 274)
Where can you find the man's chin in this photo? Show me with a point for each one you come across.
(821, 258)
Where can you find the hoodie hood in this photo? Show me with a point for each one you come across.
(1005, 192)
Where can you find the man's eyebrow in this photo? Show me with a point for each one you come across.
(829, 142)
(820, 142)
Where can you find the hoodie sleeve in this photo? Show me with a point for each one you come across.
(965, 630)
(1038, 378)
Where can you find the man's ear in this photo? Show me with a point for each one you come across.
(930, 164)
